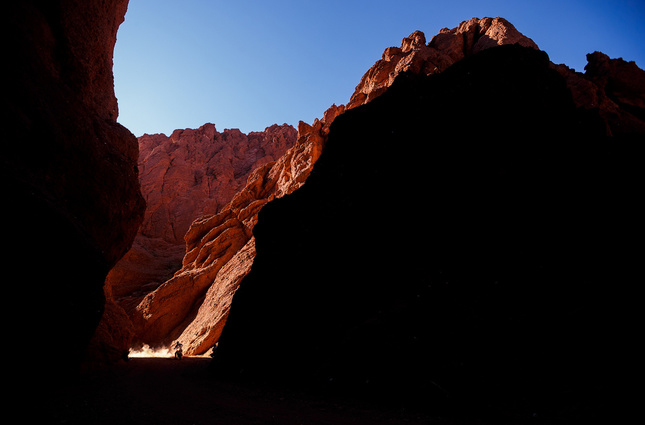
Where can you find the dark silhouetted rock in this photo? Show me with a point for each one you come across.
(464, 240)
(72, 203)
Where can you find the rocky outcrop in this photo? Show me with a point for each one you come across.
(445, 48)
(465, 240)
(197, 172)
(612, 88)
(212, 242)
(69, 172)
(184, 176)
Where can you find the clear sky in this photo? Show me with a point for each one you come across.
(249, 64)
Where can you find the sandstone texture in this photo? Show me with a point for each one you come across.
(463, 242)
(196, 172)
(445, 48)
(612, 87)
(183, 176)
(69, 172)
(214, 240)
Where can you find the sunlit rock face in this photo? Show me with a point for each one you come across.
(215, 245)
(183, 176)
(463, 240)
(72, 203)
(445, 48)
(194, 172)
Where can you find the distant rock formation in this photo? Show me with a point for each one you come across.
(465, 241)
(180, 306)
(71, 196)
(195, 172)
(184, 176)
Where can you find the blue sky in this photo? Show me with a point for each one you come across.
(248, 64)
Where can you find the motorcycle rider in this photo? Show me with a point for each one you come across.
(178, 350)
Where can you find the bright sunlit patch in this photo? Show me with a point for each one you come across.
(146, 351)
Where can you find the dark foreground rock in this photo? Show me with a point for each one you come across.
(464, 240)
(71, 198)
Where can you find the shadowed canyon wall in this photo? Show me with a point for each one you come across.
(69, 173)
(464, 240)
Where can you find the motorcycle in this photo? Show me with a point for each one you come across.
(179, 353)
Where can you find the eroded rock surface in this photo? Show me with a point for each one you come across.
(213, 240)
(445, 48)
(183, 176)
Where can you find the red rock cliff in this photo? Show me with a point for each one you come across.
(445, 48)
(184, 176)
(69, 171)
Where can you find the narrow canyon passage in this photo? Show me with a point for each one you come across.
(457, 238)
